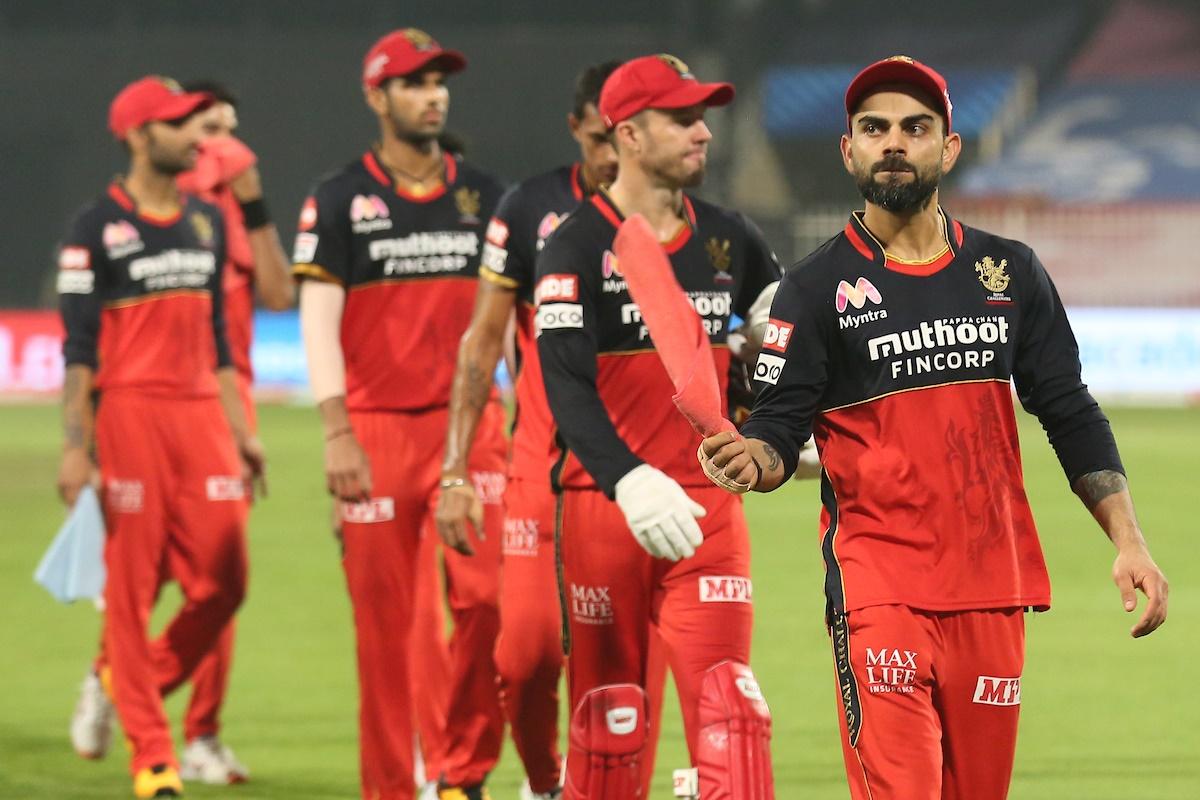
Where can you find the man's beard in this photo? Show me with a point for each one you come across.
(417, 137)
(897, 195)
(672, 173)
(167, 163)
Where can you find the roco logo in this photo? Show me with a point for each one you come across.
(856, 295)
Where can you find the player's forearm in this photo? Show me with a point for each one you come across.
(321, 307)
(272, 279)
(774, 473)
(77, 416)
(478, 354)
(1105, 493)
(231, 402)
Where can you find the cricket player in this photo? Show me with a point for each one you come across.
(645, 541)
(897, 343)
(388, 255)
(140, 275)
(226, 176)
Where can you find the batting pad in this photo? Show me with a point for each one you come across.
(674, 325)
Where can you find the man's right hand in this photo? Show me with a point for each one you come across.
(660, 513)
(75, 471)
(458, 510)
(347, 470)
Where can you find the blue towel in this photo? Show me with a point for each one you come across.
(73, 566)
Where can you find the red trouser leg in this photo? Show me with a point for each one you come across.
(430, 655)
(913, 724)
(210, 679)
(172, 491)
(656, 687)
(475, 723)
(529, 655)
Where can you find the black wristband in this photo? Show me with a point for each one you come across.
(255, 214)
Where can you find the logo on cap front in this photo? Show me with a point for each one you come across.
(170, 83)
(905, 59)
(677, 65)
(419, 39)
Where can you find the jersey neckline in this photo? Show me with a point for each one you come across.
(380, 173)
(122, 198)
(870, 248)
(608, 209)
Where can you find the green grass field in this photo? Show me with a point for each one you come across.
(1104, 716)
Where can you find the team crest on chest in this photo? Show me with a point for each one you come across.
(203, 227)
(994, 278)
(718, 254)
(467, 202)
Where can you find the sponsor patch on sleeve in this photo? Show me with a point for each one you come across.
(777, 335)
(553, 316)
(497, 232)
(308, 214)
(769, 368)
(305, 249)
(75, 258)
(74, 281)
(494, 257)
(557, 287)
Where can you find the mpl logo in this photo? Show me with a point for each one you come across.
(991, 691)
(856, 295)
(777, 335)
(725, 589)
(122, 239)
(891, 670)
(377, 509)
(591, 605)
(224, 487)
(369, 213)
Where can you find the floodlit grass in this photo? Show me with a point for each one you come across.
(1104, 716)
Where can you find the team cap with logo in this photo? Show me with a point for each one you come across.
(902, 70)
(152, 99)
(405, 51)
(659, 81)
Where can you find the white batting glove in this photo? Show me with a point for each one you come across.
(660, 514)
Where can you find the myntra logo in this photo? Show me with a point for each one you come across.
(367, 207)
(857, 295)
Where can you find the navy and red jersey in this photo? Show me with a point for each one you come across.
(903, 374)
(141, 297)
(607, 387)
(409, 263)
(528, 213)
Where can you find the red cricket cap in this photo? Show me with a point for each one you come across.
(659, 81)
(405, 51)
(152, 99)
(903, 70)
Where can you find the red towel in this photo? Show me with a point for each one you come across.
(674, 325)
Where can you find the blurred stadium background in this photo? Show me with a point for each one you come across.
(1082, 129)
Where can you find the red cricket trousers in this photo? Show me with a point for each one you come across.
(382, 539)
(930, 701)
(173, 495)
(615, 592)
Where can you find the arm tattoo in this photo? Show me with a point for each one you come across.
(1095, 486)
(773, 459)
(73, 422)
(477, 387)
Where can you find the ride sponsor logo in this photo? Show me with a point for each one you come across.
(308, 214)
(121, 239)
(75, 274)
(224, 487)
(368, 213)
(425, 253)
(925, 348)
(713, 308)
(725, 589)
(547, 226)
(778, 335)
(497, 232)
(377, 509)
(489, 487)
(768, 368)
(557, 287)
(992, 691)
(124, 495)
(520, 536)
(591, 605)
(890, 670)
(305, 248)
(174, 269)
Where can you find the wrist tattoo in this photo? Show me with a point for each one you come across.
(1095, 486)
(773, 459)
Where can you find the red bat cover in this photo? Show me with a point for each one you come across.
(673, 324)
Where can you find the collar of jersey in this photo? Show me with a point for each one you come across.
(577, 187)
(872, 249)
(380, 173)
(608, 209)
(121, 197)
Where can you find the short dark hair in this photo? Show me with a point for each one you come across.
(220, 91)
(589, 83)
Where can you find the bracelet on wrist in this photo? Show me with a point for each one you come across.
(451, 483)
(255, 214)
